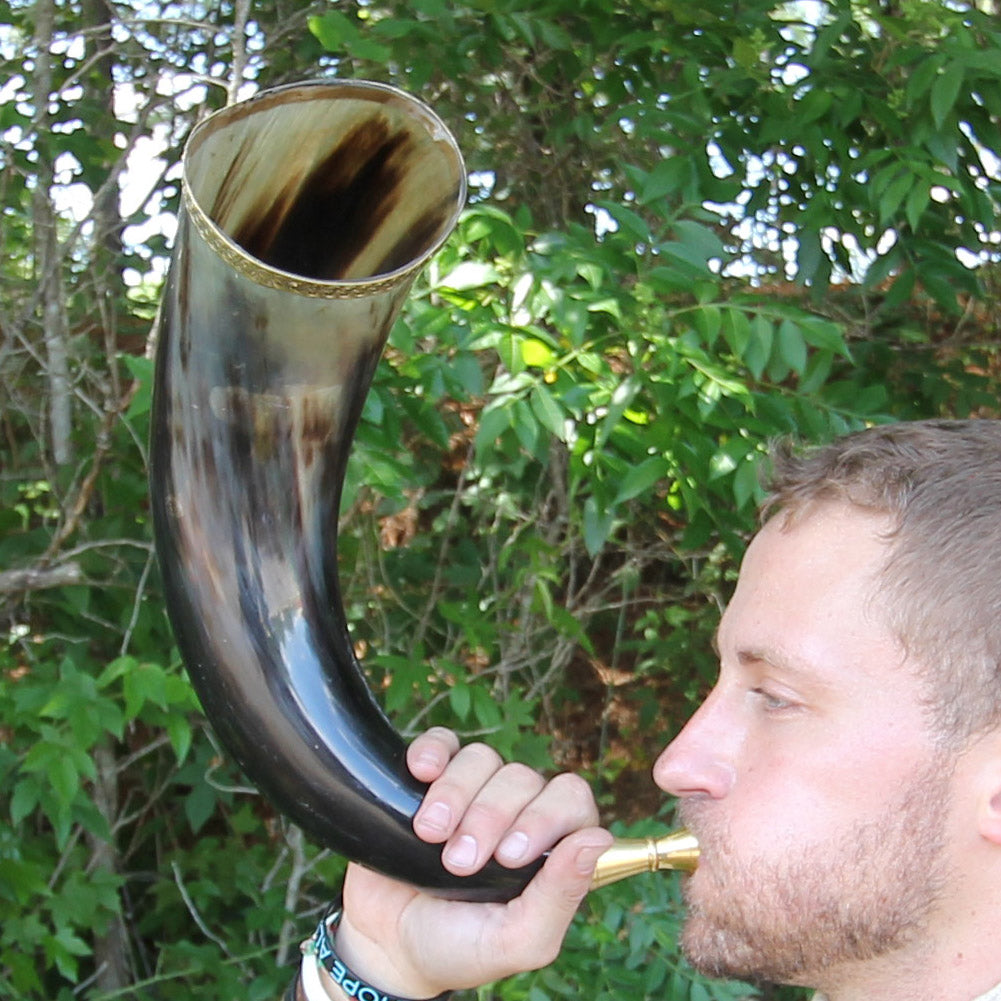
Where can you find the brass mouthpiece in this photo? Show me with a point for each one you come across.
(631, 856)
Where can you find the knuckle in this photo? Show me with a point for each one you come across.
(523, 776)
(450, 789)
(482, 754)
(484, 815)
(440, 733)
(575, 790)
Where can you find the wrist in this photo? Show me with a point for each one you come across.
(348, 966)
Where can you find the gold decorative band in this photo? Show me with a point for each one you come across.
(283, 281)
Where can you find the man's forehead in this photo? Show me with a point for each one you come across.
(808, 588)
(830, 539)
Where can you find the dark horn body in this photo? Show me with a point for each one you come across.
(307, 212)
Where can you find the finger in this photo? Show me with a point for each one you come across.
(564, 805)
(429, 754)
(538, 919)
(489, 818)
(449, 796)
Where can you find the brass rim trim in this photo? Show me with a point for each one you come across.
(284, 281)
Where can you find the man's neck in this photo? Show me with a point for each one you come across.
(956, 958)
(965, 978)
(993, 994)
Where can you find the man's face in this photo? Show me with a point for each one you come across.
(810, 774)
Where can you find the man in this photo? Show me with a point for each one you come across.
(843, 776)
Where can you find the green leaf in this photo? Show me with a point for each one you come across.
(44, 752)
(917, 202)
(944, 92)
(818, 368)
(545, 596)
(813, 105)
(24, 799)
(469, 275)
(144, 683)
(465, 367)
(63, 949)
(460, 699)
(64, 779)
(699, 992)
(548, 412)
(333, 29)
(554, 37)
(920, 78)
(527, 428)
(630, 221)
(368, 48)
(668, 176)
(703, 241)
(397, 27)
(494, 421)
(641, 478)
(607, 304)
(824, 334)
(759, 347)
(199, 805)
(708, 321)
(901, 290)
(115, 669)
(893, 196)
(21, 880)
(141, 369)
(597, 526)
(745, 482)
(620, 402)
(569, 626)
(809, 255)
(882, 267)
(791, 346)
(736, 330)
(179, 731)
(485, 708)
(536, 353)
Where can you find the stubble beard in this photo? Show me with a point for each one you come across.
(863, 894)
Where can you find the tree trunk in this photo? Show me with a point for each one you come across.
(106, 246)
(111, 955)
(47, 264)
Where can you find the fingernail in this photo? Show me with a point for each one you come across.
(430, 758)
(462, 853)
(436, 816)
(586, 857)
(514, 846)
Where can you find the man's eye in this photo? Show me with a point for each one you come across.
(771, 702)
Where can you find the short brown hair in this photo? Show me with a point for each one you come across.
(940, 483)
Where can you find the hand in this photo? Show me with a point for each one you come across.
(414, 945)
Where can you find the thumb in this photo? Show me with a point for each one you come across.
(547, 906)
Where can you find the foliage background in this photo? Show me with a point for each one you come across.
(689, 231)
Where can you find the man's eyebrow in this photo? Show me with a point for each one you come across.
(781, 661)
(749, 656)
(755, 656)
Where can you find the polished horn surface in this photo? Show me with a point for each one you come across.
(306, 213)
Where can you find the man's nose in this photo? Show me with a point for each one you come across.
(701, 759)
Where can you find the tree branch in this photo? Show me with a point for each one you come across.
(39, 578)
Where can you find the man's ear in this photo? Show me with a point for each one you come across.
(989, 788)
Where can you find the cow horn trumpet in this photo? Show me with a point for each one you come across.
(307, 211)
